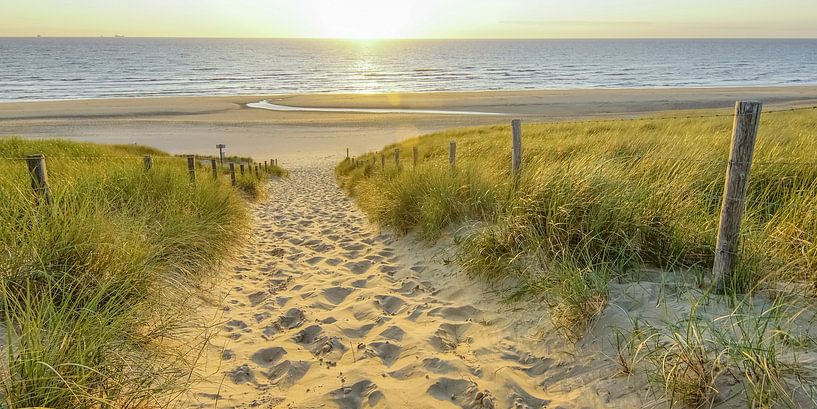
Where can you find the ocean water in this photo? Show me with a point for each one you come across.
(68, 68)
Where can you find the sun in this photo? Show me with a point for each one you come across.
(362, 19)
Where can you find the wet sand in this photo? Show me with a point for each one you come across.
(197, 124)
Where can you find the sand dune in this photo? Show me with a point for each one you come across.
(321, 310)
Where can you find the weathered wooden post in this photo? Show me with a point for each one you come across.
(276, 162)
(232, 172)
(242, 169)
(397, 159)
(148, 162)
(347, 153)
(516, 159)
(256, 170)
(39, 177)
(215, 168)
(744, 135)
(221, 147)
(191, 167)
(415, 153)
(383, 160)
(265, 166)
(452, 156)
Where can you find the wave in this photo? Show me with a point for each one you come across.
(275, 107)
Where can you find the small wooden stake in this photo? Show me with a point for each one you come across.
(347, 153)
(39, 177)
(148, 162)
(232, 172)
(265, 166)
(383, 160)
(452, 155)
(242, 169)
(215, 169)
(516, 159)
(220, 148)
(191, 167)
(744, 135)
(415, 155)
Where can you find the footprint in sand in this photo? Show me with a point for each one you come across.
(363, 394)
(327, 313)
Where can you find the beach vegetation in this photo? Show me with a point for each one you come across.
(95, 285)
(601, 202)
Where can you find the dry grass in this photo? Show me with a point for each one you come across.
(93, 286)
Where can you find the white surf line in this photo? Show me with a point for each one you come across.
(275, 107)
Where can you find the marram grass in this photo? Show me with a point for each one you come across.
(596, 203)
(618, 194)
(92, 286)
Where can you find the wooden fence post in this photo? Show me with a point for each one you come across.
(148, 162)
(256, 170)
(452, 155)
(744, 135)
(265, 166)
(215, 169)
(220, 148)
(397, 159)
(232, 172)
(383, 160)
(242, 169)
(415, 153)
(39, 177)
(516, 160)
(191, 167)
(347, 153)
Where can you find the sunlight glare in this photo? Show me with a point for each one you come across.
(362, 19)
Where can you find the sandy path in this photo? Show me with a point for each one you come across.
(323, 311)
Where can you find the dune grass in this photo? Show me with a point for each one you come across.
(92, 286)
(598, 202)
(610, 196)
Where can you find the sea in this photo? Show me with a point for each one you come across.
(81, 68)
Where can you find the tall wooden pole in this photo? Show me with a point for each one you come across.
(452, 155)
(191, 167)
(744, 135)
(516, 160)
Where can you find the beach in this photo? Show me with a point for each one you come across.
(196, 124)
(319, 307)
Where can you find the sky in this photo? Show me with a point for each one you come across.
(412, 19)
